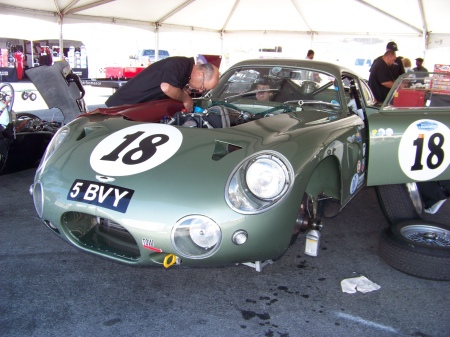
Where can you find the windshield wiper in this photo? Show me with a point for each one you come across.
(302, 102)
(253, 92)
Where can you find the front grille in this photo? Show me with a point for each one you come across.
(101, 235)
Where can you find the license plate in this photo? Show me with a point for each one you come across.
(99, 194)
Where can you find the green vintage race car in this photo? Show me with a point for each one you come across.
(275, 145)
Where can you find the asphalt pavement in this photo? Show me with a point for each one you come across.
(50, 288)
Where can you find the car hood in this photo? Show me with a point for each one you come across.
(160, 163)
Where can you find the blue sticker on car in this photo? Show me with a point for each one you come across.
(108, 196)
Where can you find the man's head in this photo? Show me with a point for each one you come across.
(204, 77)
(264, 94)
(392, 46)
(310, 54)
(419, 62)
(389, 57)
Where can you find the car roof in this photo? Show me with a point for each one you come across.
(311, 64)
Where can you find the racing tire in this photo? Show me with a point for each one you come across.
(33, 96)
(4, 148)
(397, 203)
(418, 248)
(24, 95)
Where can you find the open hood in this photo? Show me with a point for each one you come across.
(60, 88)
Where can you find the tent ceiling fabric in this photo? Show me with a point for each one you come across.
(344, 17)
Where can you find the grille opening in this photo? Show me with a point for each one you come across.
(100, 234)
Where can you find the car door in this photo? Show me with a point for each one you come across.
(409, 137)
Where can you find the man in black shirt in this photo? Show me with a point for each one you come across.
(172, 77)
(397, 68)
(381, 78)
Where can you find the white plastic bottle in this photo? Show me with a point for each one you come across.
(71, 56)
(83, 57)
(77, 59)
(312, 242)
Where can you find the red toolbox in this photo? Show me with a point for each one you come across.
(129, 72)
(409, 98)
(113, 72)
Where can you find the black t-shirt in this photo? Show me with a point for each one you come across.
(145, 86)
(397, 68)
(380, 73)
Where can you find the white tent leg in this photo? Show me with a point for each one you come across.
(61, 41)
(157, 42)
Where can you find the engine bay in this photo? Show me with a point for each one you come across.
(214, 117)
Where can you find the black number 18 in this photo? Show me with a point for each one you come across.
(146, 147)
(435, 150)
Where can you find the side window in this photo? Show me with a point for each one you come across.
(421, 90)
(149, 52)
(368, 96)
(354, 95)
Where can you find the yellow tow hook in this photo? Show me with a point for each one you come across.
(169, 260)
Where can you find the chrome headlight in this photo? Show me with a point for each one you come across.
(259, 183)
(196, 237)
(56, 141)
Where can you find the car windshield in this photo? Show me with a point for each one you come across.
(149, 52)
(277, 85)
(419, 90)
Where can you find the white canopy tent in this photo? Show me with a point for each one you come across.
(216, 26)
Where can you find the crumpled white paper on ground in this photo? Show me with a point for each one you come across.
(361, 283)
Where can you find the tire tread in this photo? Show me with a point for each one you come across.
(413, 263)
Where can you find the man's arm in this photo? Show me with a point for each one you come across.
(388, 84)
(179, 95)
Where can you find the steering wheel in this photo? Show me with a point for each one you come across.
(25, 121)
(6, 96)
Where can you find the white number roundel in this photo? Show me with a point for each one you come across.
(424, 151)
(135, 149)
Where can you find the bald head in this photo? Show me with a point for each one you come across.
(211, 75)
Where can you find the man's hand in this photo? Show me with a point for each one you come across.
(388, 84)
(189, 106)
(187, 90)
(179, 95)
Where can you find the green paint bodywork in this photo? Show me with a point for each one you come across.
(329, 153)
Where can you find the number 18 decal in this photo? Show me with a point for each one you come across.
(135, 149)
(424, 151)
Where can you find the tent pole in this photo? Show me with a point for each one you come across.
(157, 41)
(221, 46)
(424, 27)
(61, 42)
(32, 54)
